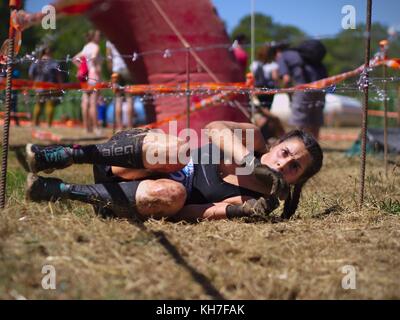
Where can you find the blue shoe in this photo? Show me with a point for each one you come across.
(48, 159)
(43, 189)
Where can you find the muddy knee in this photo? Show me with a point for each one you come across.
(160, 198)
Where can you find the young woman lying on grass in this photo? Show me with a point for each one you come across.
(129, 184)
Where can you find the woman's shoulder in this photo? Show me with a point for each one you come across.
(90, 46)
(271, 66)
(254, 65)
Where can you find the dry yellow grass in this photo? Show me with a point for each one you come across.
(97, 258)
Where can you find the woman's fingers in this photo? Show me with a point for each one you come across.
(261, 206)
(274, 180)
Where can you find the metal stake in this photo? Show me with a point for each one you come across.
(188, 88)
(365, 104)
(6, 128)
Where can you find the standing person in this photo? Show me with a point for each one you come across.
(90, 55)
(14, 99)
(45, 70)
(14, 94)
(266, 75)
(239, 52)
(102, 111)
(299, 66)
(120, 77)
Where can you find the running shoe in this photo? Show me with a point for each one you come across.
(43, 189)
(48, 159)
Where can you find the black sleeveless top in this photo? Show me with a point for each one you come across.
(208, 186)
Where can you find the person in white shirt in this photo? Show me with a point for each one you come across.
(121, 77)
(91, 51)
(266, 75)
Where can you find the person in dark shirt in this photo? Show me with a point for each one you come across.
(14, 94)
(14, 99)
(307, 107)
(45, 70)
(265, 73)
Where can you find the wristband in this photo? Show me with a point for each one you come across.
(234, 211)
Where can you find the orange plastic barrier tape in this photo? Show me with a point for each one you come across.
(181, 88)
(21, 84)
(339, 136)
(380, 113)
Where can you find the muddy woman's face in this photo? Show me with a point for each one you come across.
(289, 157)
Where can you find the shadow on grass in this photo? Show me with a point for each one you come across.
(328, 211)
(197, 276)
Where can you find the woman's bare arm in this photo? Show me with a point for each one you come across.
(109, 59)
(208, 211)
(232, 138)
(198, 212)
(275, 75)
(95, 59)
(75, 59)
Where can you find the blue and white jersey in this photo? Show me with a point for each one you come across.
(185, 176)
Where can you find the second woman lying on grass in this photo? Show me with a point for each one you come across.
(128, 183)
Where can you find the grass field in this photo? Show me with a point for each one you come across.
(95, 258)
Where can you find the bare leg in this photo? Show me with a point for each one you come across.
(93, 110)
(160, 198)
(130, 113)
(49, 112)
(148, 198)
(118, 111)
(134, 149)
(164, 153)
(173, 149)
(85, 106)
(37, 111)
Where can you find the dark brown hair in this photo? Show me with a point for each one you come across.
(45, 51)
(90, 35)
(266, 53)
(313, 147)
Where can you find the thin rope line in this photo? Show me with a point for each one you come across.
(183, 40)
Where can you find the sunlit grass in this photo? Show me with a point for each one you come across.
(118, 259)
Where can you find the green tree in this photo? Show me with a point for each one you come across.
(4, 18)
(346, 51)
(28, 36)
(66, 40)
(266, 29)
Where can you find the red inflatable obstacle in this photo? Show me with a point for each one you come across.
(164, 28)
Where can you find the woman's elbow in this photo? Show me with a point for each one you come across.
(214, 125)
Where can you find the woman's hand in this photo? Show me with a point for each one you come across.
(253, 207)
(274, 179)
(76, 59)
(271, 178)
